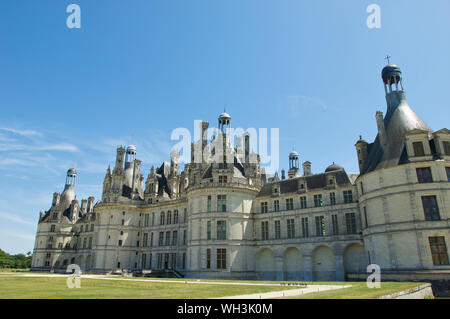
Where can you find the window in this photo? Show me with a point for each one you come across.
(92, 227)
(168, 238)
(185, 215)
(289, 204)
(143, 261)
(175, 238)
(145, 242)
(208, 258)
(366, 221)
(320, 226)
(276, 205)
(161, 239)
(169, 217)
(221, 203)
(146, 220)
(159, 261)
(265, 230)
(332, 198)
(208, 230)
(120, 242)
(184, 260)
(438, 250)
(447, 170)
(123, 221)
(418, 149)
(81, 228)
(334, 220)
(153, 219)
(208, 205)
(446, 146)
(184, 237)
(52, 228)
(430, 208)
(305, 228)
(318, 202)
(222, 179)
(221, 258)
(151, 240)
(263, 207)
(303, 202)
(277, 229)
(291, 228)
(221, 230)
(348, 197)
(84, 242)
(350, 221)
(175, 217)
(424, 175)
(162, 218)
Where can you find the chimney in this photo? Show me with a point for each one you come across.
(56, 197)
(381, 128)
(83, 206)
(307, 168)
(90, 205)
(283, 175)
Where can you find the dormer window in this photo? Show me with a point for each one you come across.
(302, 186)
(330, 182)
(418, 149)
(222, 179)
(446, 147)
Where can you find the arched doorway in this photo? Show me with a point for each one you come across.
(324, 265)
(355, 259)
(293, 264)
(265, 265)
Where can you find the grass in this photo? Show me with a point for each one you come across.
(18, 287)
(359, 290)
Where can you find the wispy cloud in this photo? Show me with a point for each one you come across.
(298, 104)
(17, 234)
(16, 219)
(26, 133)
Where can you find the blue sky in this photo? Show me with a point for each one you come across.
(138, 69)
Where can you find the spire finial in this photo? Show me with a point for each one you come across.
(387, 58)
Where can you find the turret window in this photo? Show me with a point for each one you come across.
(221, 230)
(430, 208)
(438, 250)
(418, 149)
(424, 175)
(350, 220)
(221, 203)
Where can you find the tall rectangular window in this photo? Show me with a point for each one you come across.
(263, 207)
(348, 197)
(424, 175)
(332, 198)
(430, 208)
(175, 217)
(350, 220)
(289, 203)
(185, 216)
(208, 230)
(446, 146)
(145, 242)
(264, 230)
(334, 219)
(221, 203)
(161, 239)
(366, 221)
(221, 258)
(447, 170)
(320, 226)
(208, 258)
(291, 228)
(153, 219)
(175, 238)
(318, 202)
(221, 230)
(438, 250)
(146, 220)
(303, 202)
(277, 229)
(168, 238)
(305, 227)
(144, 261)
(184, 237)
(169, 217)
(151, 240)
(418, 149)
(276, 205)
(208, 204)
(162, 218)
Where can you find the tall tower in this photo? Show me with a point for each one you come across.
(294, 170)
(69, 189)
(129, 165)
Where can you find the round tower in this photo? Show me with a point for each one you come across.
(392, 78)
(69, 189)
(293, 164)
(224, 121)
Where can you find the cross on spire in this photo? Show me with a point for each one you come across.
(387, 58)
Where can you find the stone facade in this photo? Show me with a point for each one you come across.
(223, 217)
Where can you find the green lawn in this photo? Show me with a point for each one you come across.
(55, 287)
(359, 290)
(17, 287)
